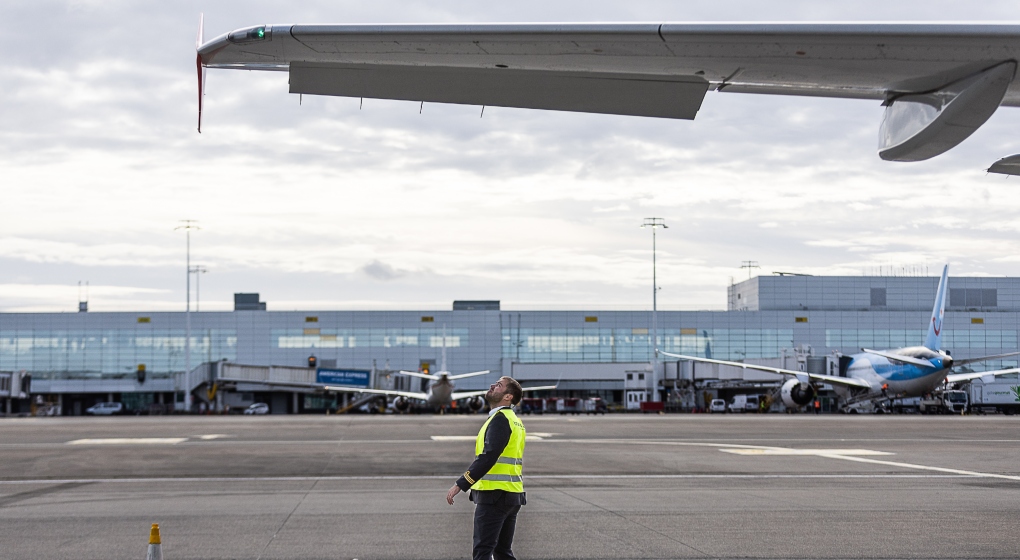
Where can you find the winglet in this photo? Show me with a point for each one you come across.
(934, 339)
(201, 69)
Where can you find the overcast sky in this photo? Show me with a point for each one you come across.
(325, 206)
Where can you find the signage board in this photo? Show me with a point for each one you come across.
(345, 377)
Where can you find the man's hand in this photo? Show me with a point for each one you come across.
(453, 492)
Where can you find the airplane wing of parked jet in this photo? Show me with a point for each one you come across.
(845, 381)
(469, 394)
(959, 377)
(938, 82)
(387, 392)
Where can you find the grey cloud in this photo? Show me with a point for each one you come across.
(382, 271)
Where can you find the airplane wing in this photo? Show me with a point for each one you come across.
(405, 394)
(845, 381)
(939, 82)
(419, 374)
(983, 359)
(472, 374)
(469, 394)
(958, 377)
(905, 359)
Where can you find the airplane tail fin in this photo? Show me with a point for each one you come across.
(934, 339)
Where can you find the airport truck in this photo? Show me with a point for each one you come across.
(998, 396)
(944, 402)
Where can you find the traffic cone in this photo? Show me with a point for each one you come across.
(155, 547)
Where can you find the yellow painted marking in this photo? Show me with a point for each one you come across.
(128, 441)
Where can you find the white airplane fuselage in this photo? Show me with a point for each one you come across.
(440, 391)
(899, 379)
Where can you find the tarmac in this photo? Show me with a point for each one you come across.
(615, 486)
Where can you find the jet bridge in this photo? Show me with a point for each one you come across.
(221, 384)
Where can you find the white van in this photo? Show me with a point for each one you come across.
(738, 404)
(717, 405)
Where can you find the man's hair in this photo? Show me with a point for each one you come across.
(514, 388)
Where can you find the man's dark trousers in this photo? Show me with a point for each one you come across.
(495, 521)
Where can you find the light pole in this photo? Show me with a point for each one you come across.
(198, 270)
(655, 223)
(187, 227)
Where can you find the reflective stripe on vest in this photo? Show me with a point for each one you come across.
(508, 460)
(507, 473)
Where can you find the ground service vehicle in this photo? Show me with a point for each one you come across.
(944, 402)
(594, 405)
(717, 405)
(1000, 396)
(738, 404)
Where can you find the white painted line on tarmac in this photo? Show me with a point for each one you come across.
(528, 437)
(208, 437)
(817, 452)
(128, 441)
(450, 477)
(923, 467)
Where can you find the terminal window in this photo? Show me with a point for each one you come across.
(878, 297)
(973, 297)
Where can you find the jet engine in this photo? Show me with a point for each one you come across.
(796, 394)
(401, 404)
(476, 404)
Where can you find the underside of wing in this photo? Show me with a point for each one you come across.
(844, 381)
(457, 395)
(940, 82)
(406, 394)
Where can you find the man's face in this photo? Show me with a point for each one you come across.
(496, 392)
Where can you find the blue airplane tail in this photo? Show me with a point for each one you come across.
(934, 339)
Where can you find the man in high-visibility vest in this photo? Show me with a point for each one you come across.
(495, 477)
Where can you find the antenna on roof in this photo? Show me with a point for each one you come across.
(83, 304)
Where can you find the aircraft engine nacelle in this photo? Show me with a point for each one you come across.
(476, 404)
(796, 394)
(401, 404)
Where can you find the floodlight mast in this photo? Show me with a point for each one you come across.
(187, 227)
(655, 223)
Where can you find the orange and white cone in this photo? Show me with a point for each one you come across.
(155, 546)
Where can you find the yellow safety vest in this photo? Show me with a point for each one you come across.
(507, 473)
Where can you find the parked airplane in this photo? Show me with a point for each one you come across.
(938, 82)
(877, 375)
(438, 394)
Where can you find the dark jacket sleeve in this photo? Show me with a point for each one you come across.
(497, 436)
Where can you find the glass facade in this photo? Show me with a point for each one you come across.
(530, 345)
(110, 353)
(898, 338)
(369, 338)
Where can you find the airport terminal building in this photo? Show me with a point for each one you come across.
(70, 361)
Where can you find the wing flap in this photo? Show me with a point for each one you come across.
(676, 97)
